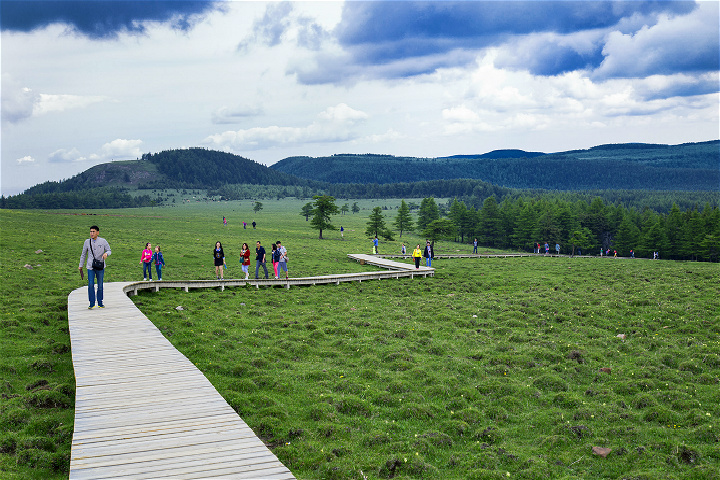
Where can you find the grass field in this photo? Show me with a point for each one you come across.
(491, 369)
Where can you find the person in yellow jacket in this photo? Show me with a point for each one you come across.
(417, 255)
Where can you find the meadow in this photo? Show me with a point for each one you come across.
(494, 368)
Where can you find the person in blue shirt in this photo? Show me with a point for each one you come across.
(159, 261)
(375, 245)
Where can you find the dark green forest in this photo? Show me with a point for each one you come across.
(687, 167)
(582, 226)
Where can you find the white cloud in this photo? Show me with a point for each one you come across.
(119, 149)
(225, 115)
(17, 101)
(334, 124)
(60, 103)
(126, 149)
(26, 159)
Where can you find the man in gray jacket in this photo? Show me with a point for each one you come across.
(95, 248)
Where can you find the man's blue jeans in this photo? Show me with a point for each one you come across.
(257, 268)
(92, 275)
(428, 261)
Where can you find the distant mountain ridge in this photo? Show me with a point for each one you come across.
(689, 167)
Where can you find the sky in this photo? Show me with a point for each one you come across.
(89, 82)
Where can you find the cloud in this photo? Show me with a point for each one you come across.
(21, 103)
(117, 149)
(281, 21)
(27, 159)
(60, 103)
(690, 43)
(17, 101)
(405, 39)
(102, 19)
(226, 115)
(334, 124)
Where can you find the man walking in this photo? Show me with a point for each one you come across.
(282, 264)
(260, 260)
(96, 250)
(428, 254)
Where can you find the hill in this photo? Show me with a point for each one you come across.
(688, 167)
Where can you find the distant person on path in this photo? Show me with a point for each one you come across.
(282, 263)
(244, 226)
(225, 221)
(342, 232)
(557, 248)
(146, 261)
(475, 246)
(632, 253)
(417, 254)
(254, 224)
(159, 261)
(260, 259)
(219, 257)
(403, 250)
(97, 250)
(615, 253)
(375, 245)
(245, 258)
(547, 248)
(275, 257)
(428, 254)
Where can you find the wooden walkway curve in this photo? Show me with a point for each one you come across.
(144, 411)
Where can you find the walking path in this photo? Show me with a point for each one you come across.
(144, 411)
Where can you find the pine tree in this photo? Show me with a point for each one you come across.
(323, 207)
(403, 221)
(376, 225)
(427, 213)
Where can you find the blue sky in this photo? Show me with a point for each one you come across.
(87, 82)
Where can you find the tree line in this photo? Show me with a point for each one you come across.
(522, 223)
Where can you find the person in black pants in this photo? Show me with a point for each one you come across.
(260, 260)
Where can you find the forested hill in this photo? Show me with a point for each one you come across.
(690, 167)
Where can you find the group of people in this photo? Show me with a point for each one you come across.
(538, 248)
(427, 254)
(278, 257)
(148, 257)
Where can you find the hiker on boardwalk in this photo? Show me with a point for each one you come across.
(245, 259)
(275, 257)
(475, 246)
(159, 261)
(260, 259)
(146, 261)
(97, 250)
(417, 254)
(428, 254)
(547, 248)
(403, 250)
(219, 257)
(282, 262)
(375, 245)
(557, 248)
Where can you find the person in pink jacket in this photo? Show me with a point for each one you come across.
(146, 261)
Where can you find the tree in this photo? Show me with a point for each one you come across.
(490, 222)
(442, 228)
(457, 215)
(581, 238)
(376, 225)
(403, 221)
(307, 210)
(344, 209)
(258, 206)
(323, 207)
(427, 213)
(627, 238)
(355, 208)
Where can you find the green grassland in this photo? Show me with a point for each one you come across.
(491, 369)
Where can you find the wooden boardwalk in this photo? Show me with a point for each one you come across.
(144, 411)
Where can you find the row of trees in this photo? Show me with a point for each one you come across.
(521, 223)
